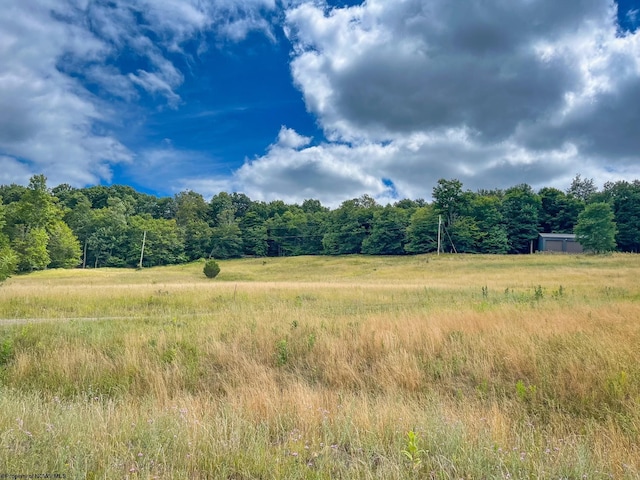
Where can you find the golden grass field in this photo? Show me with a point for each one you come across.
(442, 367)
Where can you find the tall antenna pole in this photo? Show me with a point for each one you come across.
(439, 224)
(144, 239)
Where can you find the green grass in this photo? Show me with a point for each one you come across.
(318, 367)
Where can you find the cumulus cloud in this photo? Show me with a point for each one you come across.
(289, 138)
(64, 84)
(324, 172)
(493, 93)
(387, 68)
(404, 168)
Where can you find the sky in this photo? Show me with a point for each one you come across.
(330, 100)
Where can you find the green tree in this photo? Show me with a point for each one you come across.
(165, 207)
(450, 200)
(31, 247)
(35, 221)
(107, 241)
(410, 206)
(81, 219)
(349, 225)
(313, 206)
(64, 194)
(520, 209)
(241, 204)
(296, 232)
(12, 193)
(254, 234)
(464, 234)
(97, 195)
(422, 232)
(63, 246)
(226, 241)
(163, 243)
(218, 204)
(486, 210)
(495, 240)
(624, 198)
(285, 232)
(313, 231)
(596, 229)
(388, 232)
(8, 262)
(192, 214)
(197, 239)
(37, 208)
(211, 268)
(582, 188)
(8, 258)
(559, 212)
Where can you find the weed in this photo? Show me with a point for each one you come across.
(619, 385)
(412, 451)
(482, 389)
(538, 294)
(282, 352)
(525, 393)
(559, 293)
(311, 340)
(169, 355)
(7, 351)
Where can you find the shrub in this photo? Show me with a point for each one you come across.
(211, 268)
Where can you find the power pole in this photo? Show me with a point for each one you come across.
(144, 239)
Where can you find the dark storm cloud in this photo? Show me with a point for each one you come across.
(416, 65)
(491, 97)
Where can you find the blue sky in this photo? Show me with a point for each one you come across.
(296, 99)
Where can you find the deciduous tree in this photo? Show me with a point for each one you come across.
(422, 232)
(388, 233)
(520, 209)
(596, 229)
(8, 258)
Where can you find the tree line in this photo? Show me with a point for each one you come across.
(104, 226)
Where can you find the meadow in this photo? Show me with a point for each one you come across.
(355, 367)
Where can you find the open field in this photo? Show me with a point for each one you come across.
(319, 367)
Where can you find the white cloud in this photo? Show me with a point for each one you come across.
(59, 61)
(289, 138)
(13, 171)
(334, 172)
(493, 93)
(47, 117)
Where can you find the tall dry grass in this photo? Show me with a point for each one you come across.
(503, 367)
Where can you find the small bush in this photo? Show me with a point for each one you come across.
(211, 268)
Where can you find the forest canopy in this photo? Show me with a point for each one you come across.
(104, 226)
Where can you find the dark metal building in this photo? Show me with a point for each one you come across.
(558, 242)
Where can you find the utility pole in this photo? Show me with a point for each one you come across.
(144, 239)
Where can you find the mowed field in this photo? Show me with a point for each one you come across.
(445, 367)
